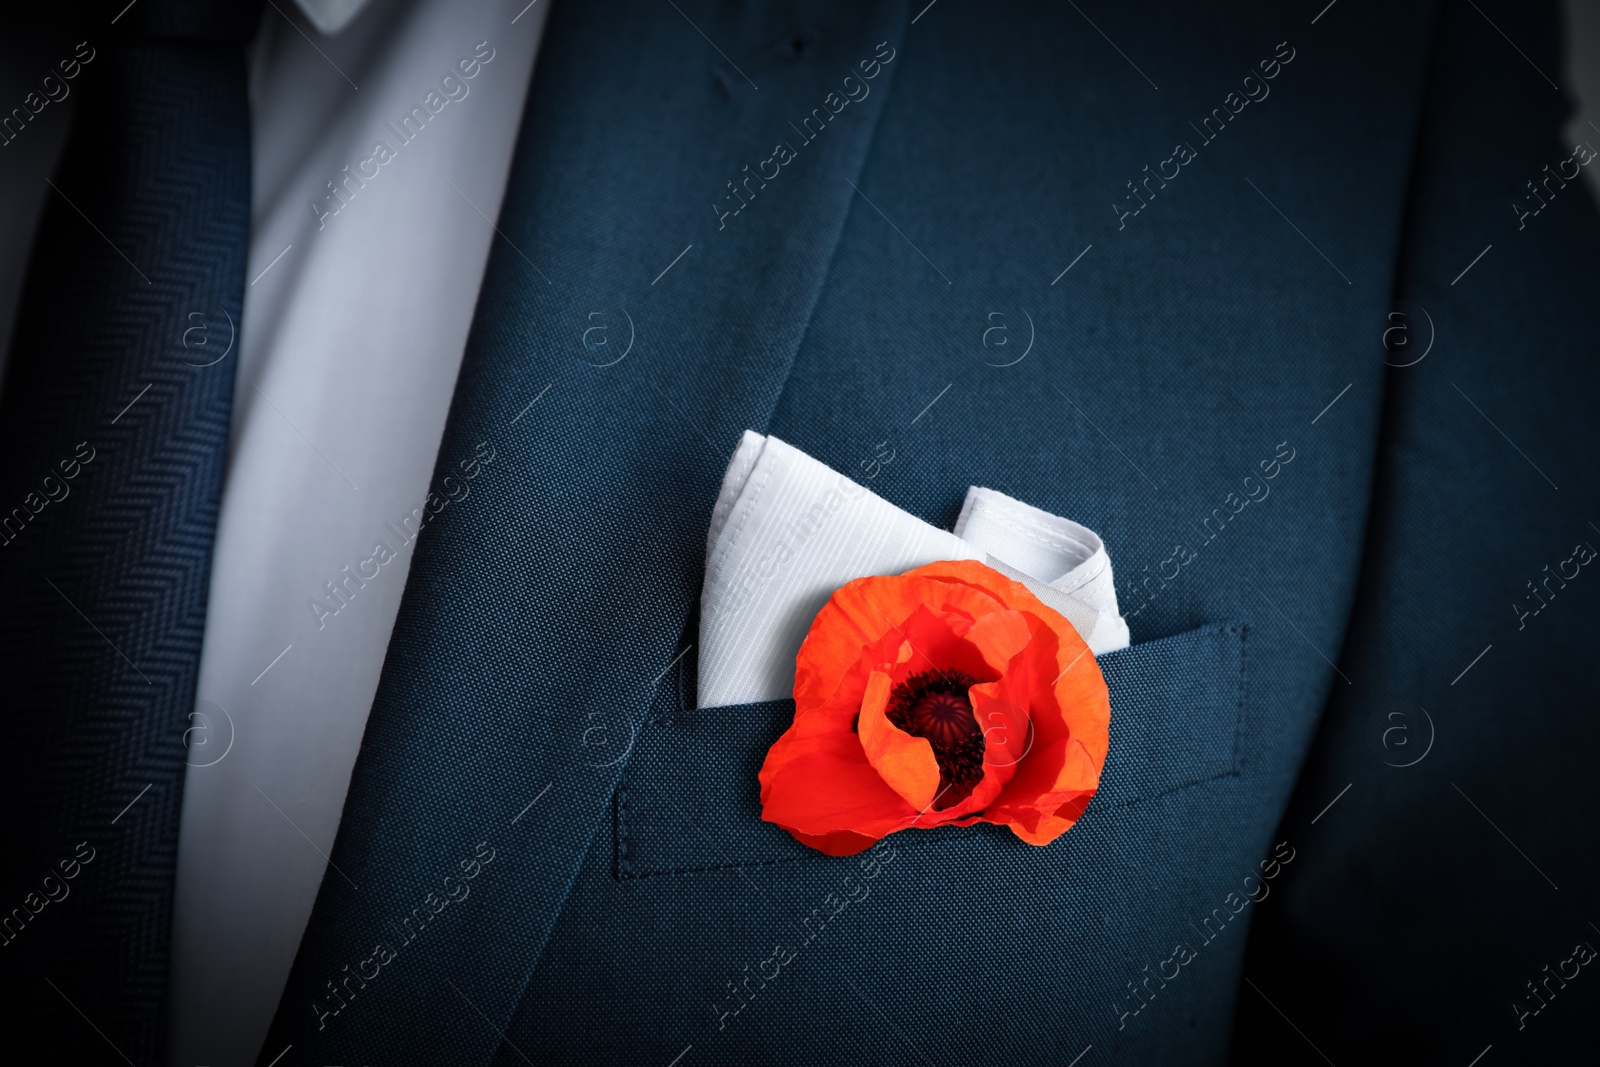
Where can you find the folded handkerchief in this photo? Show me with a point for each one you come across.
(787, 530)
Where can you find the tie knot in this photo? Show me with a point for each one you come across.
(219, 22)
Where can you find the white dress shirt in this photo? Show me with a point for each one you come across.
(355, 317)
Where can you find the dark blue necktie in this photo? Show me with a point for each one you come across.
(113, 430)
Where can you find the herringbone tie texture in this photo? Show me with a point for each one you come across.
(113, 428)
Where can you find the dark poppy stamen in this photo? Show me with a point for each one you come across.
(934, 705)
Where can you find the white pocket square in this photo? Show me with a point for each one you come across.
(787, 530)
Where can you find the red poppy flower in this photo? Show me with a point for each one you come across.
(948, 695)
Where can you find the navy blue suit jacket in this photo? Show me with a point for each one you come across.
(1198, 229)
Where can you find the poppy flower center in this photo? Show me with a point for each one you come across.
(934, 705)
(945, 719)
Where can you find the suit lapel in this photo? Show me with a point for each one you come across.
(633, 320)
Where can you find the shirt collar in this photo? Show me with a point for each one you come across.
(330, 16)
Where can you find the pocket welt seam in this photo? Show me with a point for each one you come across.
(1147, 797)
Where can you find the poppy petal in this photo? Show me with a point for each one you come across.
(1050, 791)
(824, 784)
(1000, 709)
(999, 636)
(862, 613)
(905, 762)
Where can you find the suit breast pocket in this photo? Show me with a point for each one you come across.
(689, 800)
